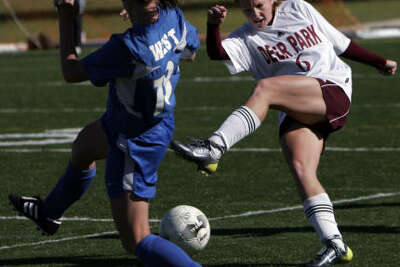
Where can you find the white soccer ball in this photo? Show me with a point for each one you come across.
(187, 227)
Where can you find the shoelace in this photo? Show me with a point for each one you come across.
(200, 143)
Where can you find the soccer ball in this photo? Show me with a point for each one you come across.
(187, 227)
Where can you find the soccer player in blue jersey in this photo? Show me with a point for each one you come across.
(141, 68)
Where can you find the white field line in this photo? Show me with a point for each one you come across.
(334, 149)
(198, 79)
(67, 136)
(236, 150)
(71, 219)
(48, 137)
(341, 201)
(38, 150)
(201, 108)
(56, 240)
(241, 215)
(49, 110)
(36, 142)
(201, 79)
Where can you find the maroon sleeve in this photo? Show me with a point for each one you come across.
(357, 53)
(215, 50)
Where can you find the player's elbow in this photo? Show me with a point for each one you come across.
(73, 72)
(217, 54)
(213, 56)
(191, 58)
(68, 77)
(71, 77)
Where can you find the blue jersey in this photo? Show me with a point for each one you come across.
(141, 64)
(141, 68)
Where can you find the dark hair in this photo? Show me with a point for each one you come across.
(163, 3)
(168, 3)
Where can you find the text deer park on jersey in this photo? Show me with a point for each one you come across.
(300, 40)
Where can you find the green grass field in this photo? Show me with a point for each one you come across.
(251, 201)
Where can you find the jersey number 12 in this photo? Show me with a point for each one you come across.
(164, 88)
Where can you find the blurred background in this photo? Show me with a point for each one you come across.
(21, 19)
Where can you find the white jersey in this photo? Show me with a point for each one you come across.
(300, 41)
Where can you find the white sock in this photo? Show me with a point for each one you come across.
(241, 123)
(319, 211)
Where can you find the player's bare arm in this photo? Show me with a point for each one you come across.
(72, 69)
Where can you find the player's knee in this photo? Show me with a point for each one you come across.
(129, 246)
(80, 139)
(81, 155)
(302, 171)
(265, 89)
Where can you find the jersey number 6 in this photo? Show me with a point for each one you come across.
(303, 65)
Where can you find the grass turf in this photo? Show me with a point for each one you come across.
(35, 99)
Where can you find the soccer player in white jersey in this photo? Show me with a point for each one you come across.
(141, 67)
(293, 53)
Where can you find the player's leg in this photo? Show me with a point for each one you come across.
(299, 96)
(89, 146)
(131, 179)
(302, 149)
(131, 218)
(130, 215)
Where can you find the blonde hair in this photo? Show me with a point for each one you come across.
(276, 2)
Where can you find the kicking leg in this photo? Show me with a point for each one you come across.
(299, 96)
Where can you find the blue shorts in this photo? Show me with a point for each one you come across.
(134, 156)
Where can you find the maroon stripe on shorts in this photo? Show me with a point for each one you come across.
(337, 104)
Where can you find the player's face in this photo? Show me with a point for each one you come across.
(258, 12)
(140, 12)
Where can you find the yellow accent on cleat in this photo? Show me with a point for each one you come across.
(203, 172)
(208, 169)
(212, 167)
(349, 255)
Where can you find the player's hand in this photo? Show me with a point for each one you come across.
(58, 3)
(216, 14)
(390, 68)
(124, 14)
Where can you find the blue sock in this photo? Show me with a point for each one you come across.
(71, 187)
(155, 251)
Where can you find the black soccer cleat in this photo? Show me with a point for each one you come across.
(331, 254)
(204, 153)
(31, 207)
